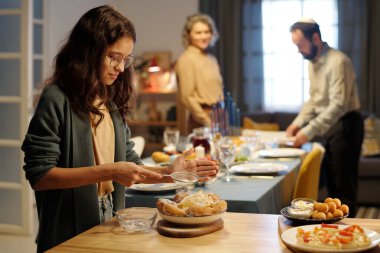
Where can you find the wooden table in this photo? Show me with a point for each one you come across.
(242, 232)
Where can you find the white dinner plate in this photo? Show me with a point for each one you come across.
(150, 165)
(155, 187)
(289, 238)
(258, 168)
(281, 152)
(192, 220)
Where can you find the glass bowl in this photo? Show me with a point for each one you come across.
(303, 203)
(136, 219)
(184, 177)
(304, 213)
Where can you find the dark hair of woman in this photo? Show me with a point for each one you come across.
(77, 65)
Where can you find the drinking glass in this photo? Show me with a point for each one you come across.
(171, 138)
(226, 155)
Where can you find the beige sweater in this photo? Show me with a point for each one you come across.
(199, 82)
(332, 93)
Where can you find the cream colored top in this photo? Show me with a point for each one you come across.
(103, 137)
(332, 92)
(199, 82)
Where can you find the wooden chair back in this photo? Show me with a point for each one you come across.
(307, 185)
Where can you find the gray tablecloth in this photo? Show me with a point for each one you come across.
(245, 195)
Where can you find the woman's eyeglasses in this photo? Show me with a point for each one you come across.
(116, 60)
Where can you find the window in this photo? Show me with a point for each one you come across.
(15, 70)
(38, 39)
(285, 75)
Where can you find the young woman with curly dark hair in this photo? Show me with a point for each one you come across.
(78, 153)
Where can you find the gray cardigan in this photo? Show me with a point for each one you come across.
(58, 137)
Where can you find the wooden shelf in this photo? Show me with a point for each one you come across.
(154, 145)
(152, 130)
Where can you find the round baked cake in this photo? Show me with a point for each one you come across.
(195, 205)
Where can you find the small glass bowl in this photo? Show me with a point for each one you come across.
(302, 203)
(304, 213)
(136, 219)
(184, 178)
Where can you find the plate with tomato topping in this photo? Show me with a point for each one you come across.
(330, 238)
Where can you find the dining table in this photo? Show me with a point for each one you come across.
(242, 232)
(245, 193)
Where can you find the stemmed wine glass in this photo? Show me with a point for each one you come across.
(226, 154)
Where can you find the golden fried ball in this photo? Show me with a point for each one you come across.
(344, 209)
(337, 202)
(319, 216)
(327, 200)
(316, 205)
(323, 208)
(332, 206)
(329, 216)
(338, 213)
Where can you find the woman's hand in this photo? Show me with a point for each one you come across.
(202, 167)
(127, 173)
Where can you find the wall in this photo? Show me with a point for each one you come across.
(158, 23)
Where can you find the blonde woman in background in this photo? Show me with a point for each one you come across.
(199, 79)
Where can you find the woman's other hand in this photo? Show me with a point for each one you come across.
(202, 167)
